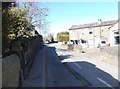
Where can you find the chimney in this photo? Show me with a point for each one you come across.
(99, 21)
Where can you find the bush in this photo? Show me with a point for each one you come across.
(70, 46)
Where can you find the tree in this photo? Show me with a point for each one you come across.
(16, 20)
(36, 14)
(6, 5)
(63, 37)
(6, 23)
(50, 37)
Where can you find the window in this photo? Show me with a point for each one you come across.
(103, 42)
(83, 41)
(117, 40)
(116, 32)
(90, 32)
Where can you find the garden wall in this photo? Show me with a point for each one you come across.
(110, 54)
(10, 71)
(22, 58)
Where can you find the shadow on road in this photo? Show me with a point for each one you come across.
(62, 57)
(91, 73)
(57, 74)
(52, 48)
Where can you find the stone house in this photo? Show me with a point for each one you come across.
(114, 34)
(95, 34)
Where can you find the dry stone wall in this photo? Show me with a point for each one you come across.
(26, 50)
(110, 54)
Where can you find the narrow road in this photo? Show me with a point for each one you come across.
(97, 73)
(48, 71)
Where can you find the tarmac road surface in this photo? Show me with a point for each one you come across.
(48, 71)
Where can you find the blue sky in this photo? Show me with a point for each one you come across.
(62, 15)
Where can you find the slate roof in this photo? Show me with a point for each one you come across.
(103, 23)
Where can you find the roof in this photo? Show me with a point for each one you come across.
(103, 23)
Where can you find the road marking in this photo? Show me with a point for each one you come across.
(77, 65)
(105, 83)
(97, 78)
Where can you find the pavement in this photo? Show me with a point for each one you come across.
(36, 76)
(96, 72)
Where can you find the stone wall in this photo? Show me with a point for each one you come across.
(77, 48)
(110, 55)
(0, 61)
(73, 47)
(106, 54)
(10, 71)
(25, 53)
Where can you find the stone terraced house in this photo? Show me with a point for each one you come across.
(96, 34)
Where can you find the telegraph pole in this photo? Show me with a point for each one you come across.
(99, 23)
